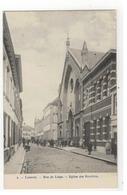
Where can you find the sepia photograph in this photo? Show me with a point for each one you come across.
(60, 92)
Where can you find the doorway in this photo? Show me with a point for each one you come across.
(87, 133)
(70, 123)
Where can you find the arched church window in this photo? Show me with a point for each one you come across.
(77, 96)
(71, 84)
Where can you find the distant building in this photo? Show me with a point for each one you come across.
(38, 129)
(85, 97)
(12, 87)
(27, 132)
(50, 120)
(46, 127)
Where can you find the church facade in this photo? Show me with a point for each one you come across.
(86, 98)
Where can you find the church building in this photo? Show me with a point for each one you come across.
(86, 97)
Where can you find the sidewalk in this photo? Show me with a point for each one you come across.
(14, 165)
(94, 154)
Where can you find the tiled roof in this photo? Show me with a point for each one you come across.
(92, 57)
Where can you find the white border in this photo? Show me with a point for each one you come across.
(122, 97)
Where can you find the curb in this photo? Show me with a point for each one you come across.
(94, 157)
(21, 170)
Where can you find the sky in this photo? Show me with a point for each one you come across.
(40, 39)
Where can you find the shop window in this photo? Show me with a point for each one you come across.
(107, 136)
(77, 131)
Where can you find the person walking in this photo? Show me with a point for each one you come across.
(115, 150)
(108, 148)
(23, 140)
(89, 148)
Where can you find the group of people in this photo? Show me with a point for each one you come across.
(110, 148)
(26, 144)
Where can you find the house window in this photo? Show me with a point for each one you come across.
(101, 89)
(101, 128)
(108, 85)
(86, 97)
(95, 91)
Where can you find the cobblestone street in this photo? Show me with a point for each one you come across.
(51, 160)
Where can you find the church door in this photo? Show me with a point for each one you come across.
(70, 123)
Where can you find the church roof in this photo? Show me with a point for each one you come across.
(92, 57)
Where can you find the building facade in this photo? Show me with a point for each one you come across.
(86, 97)
(38, 129)
(50, 120)
(46, 127)
(12, 87)
(27, 132)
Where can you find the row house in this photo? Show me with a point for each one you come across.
(50, 120)
(38, 129)
(12, 87)
(46, 127)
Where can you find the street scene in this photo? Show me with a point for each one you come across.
(60, 92)
(52, 160)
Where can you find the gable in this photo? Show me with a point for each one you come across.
(70, 65)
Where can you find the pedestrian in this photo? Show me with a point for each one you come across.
(23, 140)
(108, 148)
(95, 145)
(115, 150)
(89, 148)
